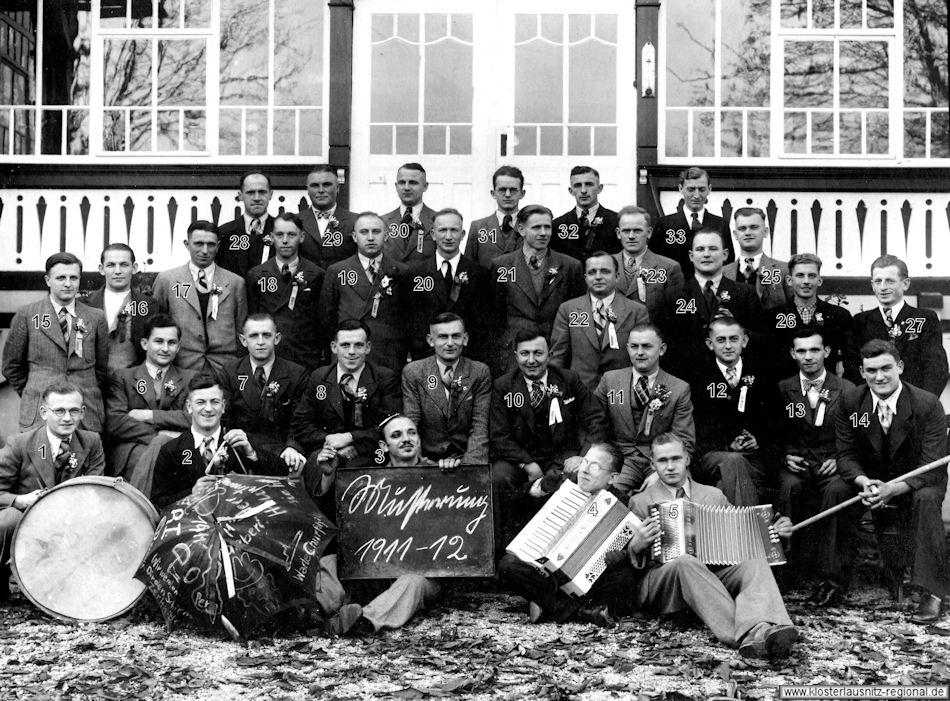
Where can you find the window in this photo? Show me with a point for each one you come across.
(222, 79)
(858, 81)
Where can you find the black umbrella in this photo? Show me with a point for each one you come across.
(233, 557)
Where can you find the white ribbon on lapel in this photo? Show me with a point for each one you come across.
(554, 412)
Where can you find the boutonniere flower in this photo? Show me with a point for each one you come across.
(611, 317)
(73, 463)
(333, 223)
(461, 279)
(169, 387)
(272, 389)
(80, 334)
(361, 395)
(747, 380)
(300, 279)
(552, 275)
(457, 387)
(125, 313)
(824, 395)
(895, 331)
(659, 396)
(553, 391)
(386, 285)
(819, 318)
(597, 221)
(216, 289)
(80, 326)
(268, 240)
(724, 296)
(220, 458)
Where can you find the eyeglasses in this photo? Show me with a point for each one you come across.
(60, 412)
(593, 466)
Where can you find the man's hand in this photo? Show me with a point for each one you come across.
(204, 483)
(783, 526)
(533, 470)
(449, 464)
(339, 440)
(327, 460)
(237, 439)
(25, 501)
(876, 493)
(828, 467)
(144, 415)
(643, 536)
(169, 434)
(294, 460)
(744, 441)
(572, 465)
(348, 453)
(795, 463)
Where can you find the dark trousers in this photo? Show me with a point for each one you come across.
(911, 533)
(616, 588)
(801, 494)
(506, 479)
(740, 476)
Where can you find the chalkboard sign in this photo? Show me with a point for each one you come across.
(399, 520)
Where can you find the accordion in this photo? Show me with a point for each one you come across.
(571, 533)
(716, 535)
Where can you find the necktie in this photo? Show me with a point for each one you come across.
(600, 318)
(534, 263)
(806, 313)
(710, 297)
(641, 390)
(62, 457)
(750, 270)
(371, 271)
(256, 227)
(259, 376)
(537, 394)
(731, 377)
(888, 317)
(157, 382)
(680, 493)
(447, 275)
(64, 322)
(207, 450)
(285, 273)
(584, 221)
(407, 217)
(447, 377)
(695, 224)
(812, 389)
(817, 384)
(630, 266)
(506, 224)
(203, 282)
(884, 415)
(323, 214)
(346, 385)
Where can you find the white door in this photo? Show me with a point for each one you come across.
(463, 86)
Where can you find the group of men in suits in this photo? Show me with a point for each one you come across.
(520, 343)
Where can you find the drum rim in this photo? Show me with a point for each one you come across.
(119, 485)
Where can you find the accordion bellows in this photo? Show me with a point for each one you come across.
(571, 533)
(716, 535)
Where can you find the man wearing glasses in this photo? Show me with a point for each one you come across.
(41, 458)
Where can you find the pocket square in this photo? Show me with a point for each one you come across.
(568, 401)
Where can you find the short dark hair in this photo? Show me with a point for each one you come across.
(446, 318)
(667, 438)
(529, 333)
(803, 259)
(447, 210)
(632, 209)
(507, 171)
(601, 254)
(203, 225)
(160, 321)
(412, 166)
(693, 173)
(808, 332)
(616, 455)
(203, 380)
(888, 260)
(709, 230)
(367, 213)
(877, 347)
(61, 387)
(290, 217)
(352, 325)
(248, 173)
(581, 170)
(528, 211)
(749, 212)
(259, 316)
(724, 318)
(649, 326)
(322, 168)
(63, 258)
(116, 247)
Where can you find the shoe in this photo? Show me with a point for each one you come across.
(779, 640)
(345, 619)
(534, 612)
(826, 594)
(597, 615)
(752, 645)
(928, 609)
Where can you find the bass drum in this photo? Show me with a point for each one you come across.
(76, 549)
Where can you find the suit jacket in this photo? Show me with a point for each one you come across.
(686, 318)
(204, 341)
(718, 406)
(135, 323)
(486, 241)
(468, 300)
(518, 306)
(795, 419)
(662, 279)
(239, 251)
(36, 355)
(770, 282)
(26, 462)
(673, 237)
(600, 234)
(574, 341)
(133, 388)
(404, 248)
(320, 411)
(302, 340)
(179, 465)
(521, 434)
(834, 323)
(337, 245)
(627, 425)
(918, 435)
(920, 343)
(456, 427)
(265, 419)
(341, 300)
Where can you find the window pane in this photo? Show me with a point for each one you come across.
(925, 53)
(285, 128)
(461, 26)
(460, 141)
(229, 132)
(526, 141)
(311, 132)
(795, 128)
(578, 141)
(407, 27)
(433, 138)
(538, 82)
(677, 134)
(255, 133)
(759, 134)
(881, 13)
(809, 78)
(915, 135)
(552, 141)
(77, 132)
(395, 84)
(243, 73)
(849, 133)
(879, 124)
(113, 130)
(381, 139)
(181, 72)
(197, 13)
(822, 132)
(407, 139)
(167, 137)
(746, 51)
(448, 82)
(730, 131)
(863, 73)
(195, 125)
(298, 52)
(704, 134)
(794, 13)
(939, 134)
(127, 71)
(140, 130)
(689, 66)
(823, 14)
(24, 126)
(605, 141)
(593, 83)
(851, 11)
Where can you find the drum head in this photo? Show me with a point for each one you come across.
(77, 548)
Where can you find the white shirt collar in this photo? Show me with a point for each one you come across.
(803, 380)
(651, 378)
(416, 210)
(723, 368)
(895, 310)
(340, 372)
(701, 279)
(500, 216)
(543, 380)
(199, 438)
(756, 260)
(54, 442)
(687, 488)
(316, 212)
(689, 214)
(114, 302)
(71, 307)
(591, 212)
(293, 265)
(248, 220)
(442, 366)
(637, 260)
(608, 300)
(152, 368)
(268, 367)
(209, 272)
(453, 262)
(890, 401)
(364, 261)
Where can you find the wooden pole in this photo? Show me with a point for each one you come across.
(845, 504)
